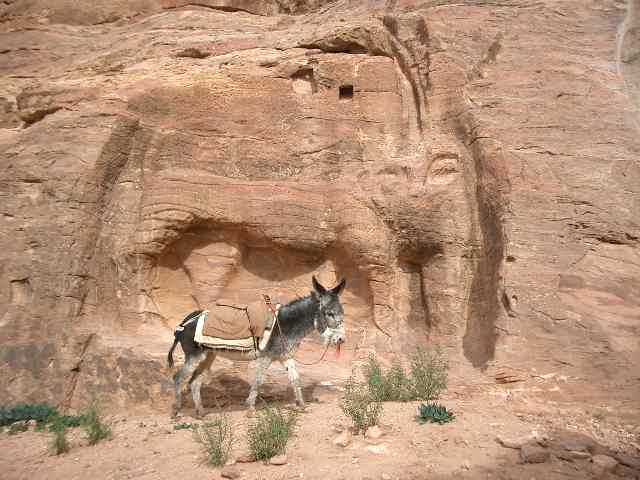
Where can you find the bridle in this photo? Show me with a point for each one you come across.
(275, 310)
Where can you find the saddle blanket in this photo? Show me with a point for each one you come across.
(233, 326)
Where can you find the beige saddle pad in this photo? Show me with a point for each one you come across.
(235, 326)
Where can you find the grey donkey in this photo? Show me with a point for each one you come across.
(321, 310)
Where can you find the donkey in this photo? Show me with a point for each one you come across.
(321, 310)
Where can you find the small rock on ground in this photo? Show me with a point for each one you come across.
(531, 453)
(386, 476)
(626, 472)
(629, 461)
(278, 460)
(575, 442)
(374, 432)
(230, 472)
(245, 458)
(516, 443)
(377, 449)
(579, 455)
(603, 463)
(343, 439)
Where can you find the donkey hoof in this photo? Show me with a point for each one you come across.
(251, 412)
(200, 413)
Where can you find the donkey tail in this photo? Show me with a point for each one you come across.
(177, 334)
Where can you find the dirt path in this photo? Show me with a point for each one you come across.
(149, 446)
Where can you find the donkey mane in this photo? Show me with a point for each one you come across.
(299, 311)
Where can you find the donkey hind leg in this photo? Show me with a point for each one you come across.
(294, 379)
(196, 381)
(262, 364)
(191, 363)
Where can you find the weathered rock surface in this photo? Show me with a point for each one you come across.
(533, 453)
(603, 464)
(470, 167)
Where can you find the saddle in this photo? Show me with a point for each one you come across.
(235, 326)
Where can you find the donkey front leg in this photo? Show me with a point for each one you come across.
(294, 379)
(262, 364)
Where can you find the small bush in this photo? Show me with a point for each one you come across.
(392, 386)
(216, 437)
(398, 384)
(269, 433)
(434, 413)
(426, 381)
(59, 442)
(39, 412)
(360, 405)
(428, 374)
(94, 424)
(71, 421)
(375, 378)
(183, 426)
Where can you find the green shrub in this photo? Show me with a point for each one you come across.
(94, 424)
(71, 421)
(360, 405)
(390, 386)
(39, 412)
(59, 442)
(269, 433)
(426, 381)
(183, 426)
(216, 437)
(375, 378)
(428, 374)
(434, 413)
(398, 384)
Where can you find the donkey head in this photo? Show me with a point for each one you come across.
(330, 319)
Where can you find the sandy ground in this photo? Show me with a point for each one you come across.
(148, 446)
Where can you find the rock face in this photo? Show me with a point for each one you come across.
(471, 168)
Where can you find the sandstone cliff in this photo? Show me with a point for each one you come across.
(471, 167)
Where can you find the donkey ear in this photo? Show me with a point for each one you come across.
(338, 290)
(317, 287)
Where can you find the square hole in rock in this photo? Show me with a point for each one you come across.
(346, 92)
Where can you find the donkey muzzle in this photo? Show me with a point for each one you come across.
(334, 336)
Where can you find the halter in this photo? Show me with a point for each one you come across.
(275, 310)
